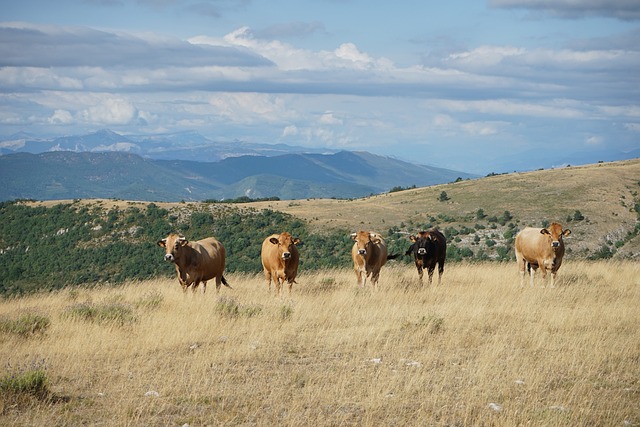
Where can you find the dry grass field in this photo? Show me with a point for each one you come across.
(478, 350)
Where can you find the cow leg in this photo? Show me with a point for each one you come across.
(430, 271)
(204, 287)
(361, 278)
(267, 277)
(420, 273)
(374, 279)
(440, 272)
(544, 275)
(532, 274)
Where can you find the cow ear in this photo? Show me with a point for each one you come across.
(354, 235)
(297, 241)
(544, 231)
(274, 240)
(566, 232)
(412, 238)
(162, 243)
(183, 241)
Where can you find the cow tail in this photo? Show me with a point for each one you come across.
(394, 256)
(224, 282)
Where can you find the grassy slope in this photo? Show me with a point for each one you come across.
(603, 193)
(334, 354)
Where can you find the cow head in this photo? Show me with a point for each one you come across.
(285, 244)
(173, 243)
(364, 240)
(421, 242)
(554, 234)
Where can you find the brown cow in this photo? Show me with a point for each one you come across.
(428, 249)
(369, 254)
(280, 258)
(196, 261)
(540, 248)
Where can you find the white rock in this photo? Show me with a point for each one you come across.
(495, 407)
(152, 393)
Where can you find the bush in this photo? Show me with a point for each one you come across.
(110, 313)
(26, 325)
(25, 382)
(229, 307)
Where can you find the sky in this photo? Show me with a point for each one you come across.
(474, 86)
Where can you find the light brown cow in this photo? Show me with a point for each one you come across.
(369, 254)
(196, 261)
(280, 259)
(540, 248)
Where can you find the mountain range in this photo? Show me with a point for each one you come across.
(124, 175)
(171, 146)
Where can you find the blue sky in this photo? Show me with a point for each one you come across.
(479, 86)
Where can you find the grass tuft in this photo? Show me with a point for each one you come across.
(115, 313)
(21, 383)
(26, 325)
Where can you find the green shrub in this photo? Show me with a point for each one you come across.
(110, 313)
(229, 307)
(26, 325)
(286, 311)
(23, 382)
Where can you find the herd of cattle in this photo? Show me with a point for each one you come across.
(204, 259)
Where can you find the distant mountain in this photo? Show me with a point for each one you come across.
(72, 175)
(173, 146)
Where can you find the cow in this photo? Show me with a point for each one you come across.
(195, 262)
(280, 259)
(540, 248)
(429, 248)
(369, 254)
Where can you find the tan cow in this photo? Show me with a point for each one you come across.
(195, 261)
(540, 248)
(369, 254)
(280, 259)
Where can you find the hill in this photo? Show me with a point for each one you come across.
(78, 175)
(600, 203)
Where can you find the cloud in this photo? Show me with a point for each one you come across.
(111, 111)
(628, 10)
(61, 117)
(290, 29)
(27, 45)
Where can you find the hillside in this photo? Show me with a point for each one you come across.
(72, 175)
(600, 203)
(605, 194)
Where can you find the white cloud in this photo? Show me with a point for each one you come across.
(594, 140)
(110, 111)
(329, 118)
(61, 117)
(290, 130)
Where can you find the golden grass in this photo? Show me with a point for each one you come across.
(478, 350)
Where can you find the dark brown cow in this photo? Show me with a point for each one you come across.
(369, 254)
(540, 248)
(280, 258)
(196, 261)
(428, 249)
